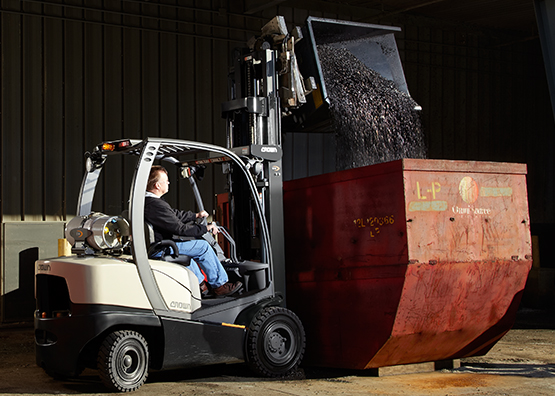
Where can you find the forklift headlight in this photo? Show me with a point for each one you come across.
(94, 161)
(98, 231)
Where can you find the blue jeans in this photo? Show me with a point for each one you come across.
(204, 257)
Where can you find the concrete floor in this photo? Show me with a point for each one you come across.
(522, 363)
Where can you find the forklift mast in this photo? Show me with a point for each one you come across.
(264, 83)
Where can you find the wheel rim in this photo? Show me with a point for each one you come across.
(280, 343)
(130, 363)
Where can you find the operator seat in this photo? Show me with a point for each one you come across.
(154, 247)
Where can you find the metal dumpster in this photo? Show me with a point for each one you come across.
(407, 261)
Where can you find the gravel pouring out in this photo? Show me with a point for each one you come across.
(374, 122)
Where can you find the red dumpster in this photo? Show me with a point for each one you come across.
(408, 261)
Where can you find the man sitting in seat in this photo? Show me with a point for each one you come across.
(170, 223)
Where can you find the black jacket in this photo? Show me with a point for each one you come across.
(171, 223)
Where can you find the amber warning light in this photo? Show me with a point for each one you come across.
(115, 145)
(108, 147)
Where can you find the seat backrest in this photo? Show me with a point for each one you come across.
(149, 229)
(152, 246)
(149, 235)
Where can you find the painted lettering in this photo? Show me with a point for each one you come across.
(268, 149)
(180, 305)
(374, 223)
(435, 187)
(420, 196)
(44, 267)
(471, 211)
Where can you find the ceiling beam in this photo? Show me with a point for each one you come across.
(413, 7)
(333, 8)
(254, 6)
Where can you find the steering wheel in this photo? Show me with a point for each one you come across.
(208, 235)
(211, 239)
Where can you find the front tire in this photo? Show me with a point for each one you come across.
(275, 342)
(123, 361)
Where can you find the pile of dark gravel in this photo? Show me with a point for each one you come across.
(374, 122)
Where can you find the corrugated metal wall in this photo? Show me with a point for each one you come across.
(76, 72)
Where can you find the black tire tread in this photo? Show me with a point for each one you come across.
(105, 368)
(253, 355)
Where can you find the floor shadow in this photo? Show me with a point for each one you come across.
(85, 383)
(513, 369)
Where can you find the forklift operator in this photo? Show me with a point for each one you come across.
(168, 222)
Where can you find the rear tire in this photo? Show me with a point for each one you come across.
(123, 361)
(275, 343)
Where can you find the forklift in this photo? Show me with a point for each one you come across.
(112, 306)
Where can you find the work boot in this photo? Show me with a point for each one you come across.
(227, 289)
(204, 291)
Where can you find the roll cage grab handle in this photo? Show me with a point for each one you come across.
(149, 150)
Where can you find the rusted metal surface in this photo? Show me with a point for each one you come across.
(407, 261)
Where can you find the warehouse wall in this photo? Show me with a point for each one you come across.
(73, 76)
(77, 72)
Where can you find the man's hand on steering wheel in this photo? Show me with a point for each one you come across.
(212, 228)
(203, 214)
